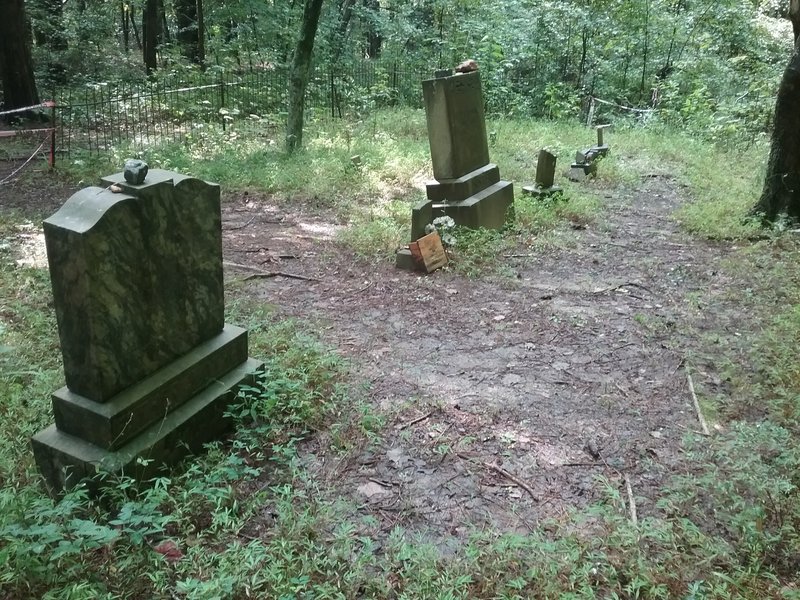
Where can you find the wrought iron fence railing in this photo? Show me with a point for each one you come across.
(99, 117)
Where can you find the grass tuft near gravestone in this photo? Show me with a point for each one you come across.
(149, 363)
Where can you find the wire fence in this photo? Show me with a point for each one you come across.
(100, 117)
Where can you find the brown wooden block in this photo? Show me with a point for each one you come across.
(431, 252)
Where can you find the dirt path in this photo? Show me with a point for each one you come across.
(507, 397)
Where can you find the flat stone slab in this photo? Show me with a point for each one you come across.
(113, 424)
(65, 460)
(540, 192)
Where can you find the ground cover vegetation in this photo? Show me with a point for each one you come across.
(726, 526)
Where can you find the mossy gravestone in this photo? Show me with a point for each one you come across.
(467, 186)
(149, 362)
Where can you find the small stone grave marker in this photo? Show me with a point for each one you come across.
(545, 176)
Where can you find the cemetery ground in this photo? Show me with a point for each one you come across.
(518, 425)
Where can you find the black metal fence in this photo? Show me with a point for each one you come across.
(99, 117)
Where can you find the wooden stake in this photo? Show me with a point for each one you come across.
(700, 417)
(631, 501)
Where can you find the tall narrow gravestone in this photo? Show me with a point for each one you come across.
(467, 187)
(545, 176)
(149, 363)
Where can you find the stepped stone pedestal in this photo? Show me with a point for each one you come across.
(149, 363)
(467, 187)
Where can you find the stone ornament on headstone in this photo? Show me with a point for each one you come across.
(545, 176)
(148, 360)
(467, 186)
(135, 171)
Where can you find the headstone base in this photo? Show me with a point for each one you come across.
(582, 171)
(490, 208)
(66, 459)
(405, 260)
(456, 190)
(539, 192)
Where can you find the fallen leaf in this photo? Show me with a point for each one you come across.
(170, 551)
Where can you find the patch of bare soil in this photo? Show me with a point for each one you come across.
(507, 397)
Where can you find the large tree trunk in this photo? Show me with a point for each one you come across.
(151, 24)
(16, 65)
(299, 73)
(781, 193)
(189, 34)
(374, 38)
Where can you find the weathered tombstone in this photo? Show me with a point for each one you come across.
(467, 186)
(545, 176)
(149, 363)
(602, 149)
(585, 165)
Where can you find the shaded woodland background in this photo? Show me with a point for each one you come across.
(708, 66)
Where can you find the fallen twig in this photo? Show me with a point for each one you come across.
(622, 285)
(262, 274)
(364, 289)
(501, 471)
(697, 408)
(510, 477)
(240, 226)
(415, 421)
(265, 275)
(631, 501)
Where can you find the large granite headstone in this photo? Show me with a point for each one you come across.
(467, 187)
(149, 363)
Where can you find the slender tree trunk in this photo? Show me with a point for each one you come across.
(781, 193)
(299, 73)
(16, 64)
(126, 30)
(132, 21)
(188, 35)
(646, 46)
(150, 35)
(163, 30)
(201, 29)
(374, 38)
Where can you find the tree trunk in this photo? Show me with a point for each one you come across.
(201, 32)
(299, 73)
(123, 13)
(150, 27)
(132, 20)
(16, 64)
(781, 193)
(188, 35)
(374, 38)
